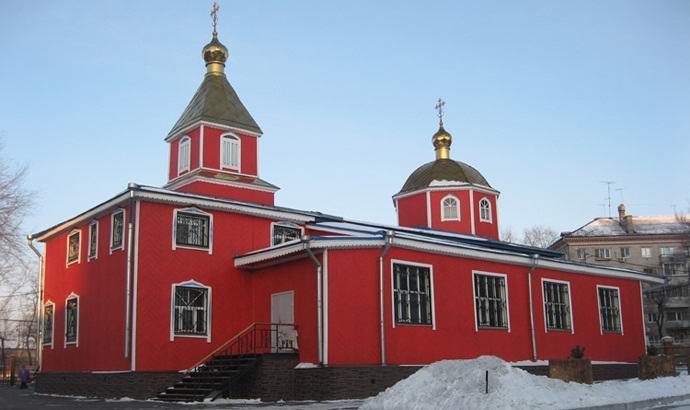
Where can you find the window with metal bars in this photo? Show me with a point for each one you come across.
(48, 311)
(192, 230)
(557, 305)
(609, 306)
(191, 311)
(93, 240)
(73, 245)
(117, 231)
(490, 301)
(285, 233)
(71, 320)
(412, 294)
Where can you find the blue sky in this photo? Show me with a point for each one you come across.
(545, 98)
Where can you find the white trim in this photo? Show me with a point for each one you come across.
(112, 220)
(199, 178)
(620, 310)
(88, 247)
(481, 218)
(52, 325)
(184, 166)
(238, 141)
(474, 300)
(135, 284)
(433, 291)
(498, 228)
(287, 225)
(325, 307)
(457, 207)
(197, 170)
(459, 187)
(428, 209)
(472, 222)
(193, 284)
(570, 303)
(215, 125)
(78, 260)
(64, 336)
(397, 212)
(197, 211)
(201, 146)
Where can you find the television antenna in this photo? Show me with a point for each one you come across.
(608, 190)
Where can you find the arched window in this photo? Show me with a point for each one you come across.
(230, 152)
(450, 208)
(484, 210)
(183, 154)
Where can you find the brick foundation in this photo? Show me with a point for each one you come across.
(137, 385)
(600, 372)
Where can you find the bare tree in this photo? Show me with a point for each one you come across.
(539, 235)
(659, 296)
(507, 234)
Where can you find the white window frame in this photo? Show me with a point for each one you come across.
(433, 292)
(192, 210)
(238, 141)
(457, 206)
(600, 257)
(191, 283)
(184, 155)
(286, 225)
(112, 231)
(64, 335)
(670, 250)
(481, 217)
(477, 328)
(621, 250)
(570, 305)
(581, 254)
(70, 235)
(90, 257)
(52, 325)
(645, 252)
(620, 310)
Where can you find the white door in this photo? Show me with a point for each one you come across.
(283, 338)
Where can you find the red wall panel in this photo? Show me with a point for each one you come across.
(486, 229)
(228, 192)
(464, 225)
(412, 211)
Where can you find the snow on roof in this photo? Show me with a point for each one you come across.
(640, 225)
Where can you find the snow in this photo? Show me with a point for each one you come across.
(306, 366)
(646, 225)
(457, 384)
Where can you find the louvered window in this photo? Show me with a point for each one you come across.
(183, 155)
(230, 152)
(192, 229)
(191, 311)
(412, 294)
(491, 301)
(557, 305)
(609, 307)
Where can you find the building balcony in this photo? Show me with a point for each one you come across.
(677, 324)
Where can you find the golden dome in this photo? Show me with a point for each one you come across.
(215, 55)
(442, 141)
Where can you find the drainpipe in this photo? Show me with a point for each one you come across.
(531, 306)
(388, 238)
(319, 300)
(128, 294)
(39, 303)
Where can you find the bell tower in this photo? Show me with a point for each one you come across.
(213, 147)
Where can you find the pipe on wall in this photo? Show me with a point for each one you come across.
(39, 302)
(388, 238)
(319, 300)
(531, 306)
(128, 272)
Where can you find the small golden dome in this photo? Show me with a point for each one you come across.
(215, 55)
(442, 141)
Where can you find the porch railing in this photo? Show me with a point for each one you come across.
(257, 338)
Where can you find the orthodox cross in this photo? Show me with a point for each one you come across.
(214, 16)
(439, 107)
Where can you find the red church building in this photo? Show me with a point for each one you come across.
(155, 281)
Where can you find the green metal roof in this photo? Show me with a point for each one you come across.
(216, 101)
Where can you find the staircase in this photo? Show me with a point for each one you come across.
(216, 374)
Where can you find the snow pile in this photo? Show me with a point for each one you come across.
(460, 384)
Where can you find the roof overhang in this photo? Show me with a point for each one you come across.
(180, 132)
(459, 186)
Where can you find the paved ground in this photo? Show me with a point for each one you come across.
(14, 398)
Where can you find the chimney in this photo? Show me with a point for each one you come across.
(621, 213)
(625, 220)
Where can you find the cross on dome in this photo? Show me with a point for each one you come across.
(439, 107)
(214, 17)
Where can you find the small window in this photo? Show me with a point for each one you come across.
(674, 315)
(625, 252)
(646, 252)
(48, 321)
(651, 317)
(230, 152)
(610, 309)
(72, 320)
(73, 247)
(450, 209)
(581, 253)
(666, 250)
(93, 240)
(412, 294)
(283, 232)
(192, 229)
(557, 305)
(491, 301)
(190, 310)
(673, 269)
(183, 155)
(117, 226)
(485, 210)
(602, 253)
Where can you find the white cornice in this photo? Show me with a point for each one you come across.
(198, 178)
(459, 187)
(172, 137)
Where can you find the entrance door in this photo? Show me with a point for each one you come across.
(283, 338)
